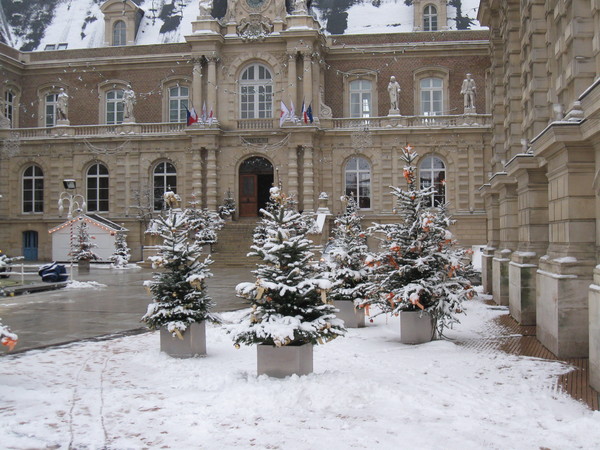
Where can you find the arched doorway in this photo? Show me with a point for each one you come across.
(256, 178)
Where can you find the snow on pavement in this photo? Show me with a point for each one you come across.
(368, 391)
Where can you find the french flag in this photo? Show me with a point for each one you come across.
(192, 117)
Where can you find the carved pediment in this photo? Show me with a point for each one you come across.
(255, 28)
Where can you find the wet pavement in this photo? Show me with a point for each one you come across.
(54, 317)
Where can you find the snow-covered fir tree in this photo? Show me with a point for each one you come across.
(289, 298)
(205, 224)
(227, 209)
(179, 288)
(345, 262)
(122, 253)
(82, 243)
(418, 266)
(7, 337)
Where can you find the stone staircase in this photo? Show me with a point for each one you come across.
(234, 243)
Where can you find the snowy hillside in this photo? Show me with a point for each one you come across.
(34, 24)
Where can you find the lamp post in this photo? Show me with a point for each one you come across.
(75, 202)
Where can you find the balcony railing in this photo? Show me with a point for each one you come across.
(102, 130)
(467, 120)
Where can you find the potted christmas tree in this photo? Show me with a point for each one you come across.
(419, 274)
(205, 225)
(345, 265)
(290, 309)
(81, 249)
(121, 255)
(181, 304)
(227, 209)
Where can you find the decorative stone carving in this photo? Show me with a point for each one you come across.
(62, 108)
(325, 111)
(300, 7)
(394, 92)
(469, 91)
(205, 11)
(256, 28)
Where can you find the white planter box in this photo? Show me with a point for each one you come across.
(280, 362)
(416, 327)
(352, 317)
(192, 344)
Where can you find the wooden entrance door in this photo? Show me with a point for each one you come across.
(248, 195)
(30, 245)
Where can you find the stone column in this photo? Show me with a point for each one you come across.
(594, 333)
(309, 182)
(212, 192)
(565, 272)
(507, 208)
(197, 84)
(211, 89)
(307, 78)
(292, 171)
(292, 81)
(532, 199)
(493, 237)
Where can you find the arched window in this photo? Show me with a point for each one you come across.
(9, 105)
(256, 93)
(164, 179)
(432, 172)
(430, 18)
(358, 181)
(114, 107)
(50, 109)
(178, 103)
(97, 188)
(119, 33)
(432, 96)
(360, 98)
(33, 190)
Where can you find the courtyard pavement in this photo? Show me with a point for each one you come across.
(60, 316)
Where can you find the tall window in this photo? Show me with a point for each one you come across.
(432, 102)
(358, 181)
(360, 98)
(432, 172)
(178, 102)
(430, 18)
(120, 33)
(33, 190)
(50, 109)
(9, 105)
(97, 188)
(256, 93)
(164, 179)
(114, 107)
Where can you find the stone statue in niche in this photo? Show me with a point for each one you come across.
(62, 107)
(469, 91)
(128, 102)
(300, 7)
(394, 92)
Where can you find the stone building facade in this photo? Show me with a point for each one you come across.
(542, 196)
(235, 72)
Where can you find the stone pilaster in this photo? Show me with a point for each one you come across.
(197, 84)
(292, 87)
(212, 191)
(565, 273)
(532, 195)
(309, 180)
(594, 332)
(211, 90)
(307, 78)
(493, 236)
(292, 172)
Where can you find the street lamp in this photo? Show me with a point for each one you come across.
(75, 202)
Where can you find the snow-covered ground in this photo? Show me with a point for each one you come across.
(368, 391)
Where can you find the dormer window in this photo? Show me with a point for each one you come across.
(430, 18)
(119, 33)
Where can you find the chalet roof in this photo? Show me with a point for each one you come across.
(93, 219)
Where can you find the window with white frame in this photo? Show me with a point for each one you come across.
(432, 172)
(114, 107)
(119, 33)
(430, 18)
(164, 178)
(256, 93)
(33, 190)
(360, 98)
(50, 109)
(178, 103)
(9, 104)
(432, 96)
(358, 181)
(97, 188)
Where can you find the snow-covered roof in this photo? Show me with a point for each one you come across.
(80, 23)
(94, 219)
